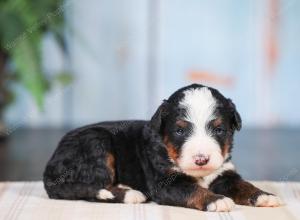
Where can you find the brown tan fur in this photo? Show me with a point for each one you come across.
(200, 198)
(172, 152)
(216, 123)
(226, 148)
(246, 191)
(110, 163)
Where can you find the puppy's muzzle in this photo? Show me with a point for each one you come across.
(201, 159)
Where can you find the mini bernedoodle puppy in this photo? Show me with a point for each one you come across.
(181, 157)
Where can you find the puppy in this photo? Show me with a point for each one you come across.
(181, 157)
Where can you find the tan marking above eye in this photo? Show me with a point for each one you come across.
(217, 122)
(182, 123)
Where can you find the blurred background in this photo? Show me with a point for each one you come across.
(64, 64)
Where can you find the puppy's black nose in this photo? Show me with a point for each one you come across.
(201, 159)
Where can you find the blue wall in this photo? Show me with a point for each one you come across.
(127, 57)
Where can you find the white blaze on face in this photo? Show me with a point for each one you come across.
(200, 106)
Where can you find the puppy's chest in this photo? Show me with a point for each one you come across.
(204, 182)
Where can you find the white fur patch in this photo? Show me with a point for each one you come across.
(221, 205)
(122, 186)
(105, 194)
(134, 196)
(200, 106)
(268, 201)
(207, 180)
(177, 169)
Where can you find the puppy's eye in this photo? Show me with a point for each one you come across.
(219, 130)
(180, 131)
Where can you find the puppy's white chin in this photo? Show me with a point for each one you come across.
(200, 172)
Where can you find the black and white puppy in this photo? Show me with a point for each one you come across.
(181, 157)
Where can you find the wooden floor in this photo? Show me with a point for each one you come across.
(258, 154)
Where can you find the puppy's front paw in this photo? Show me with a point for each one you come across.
(265, 200)
(224, 204)
(134, 197)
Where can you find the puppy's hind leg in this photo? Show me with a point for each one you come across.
(82, 165)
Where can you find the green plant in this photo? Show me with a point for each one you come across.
(23, 24)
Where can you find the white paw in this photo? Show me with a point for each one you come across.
(105, 194)
(221, 205)
(134, 196)
(268, 201)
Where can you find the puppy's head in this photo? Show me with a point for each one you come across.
(197, 124)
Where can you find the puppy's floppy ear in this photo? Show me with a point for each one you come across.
(156, 122)
(236, 118)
